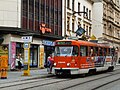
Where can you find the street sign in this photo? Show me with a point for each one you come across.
(27, 38)
(26, 45)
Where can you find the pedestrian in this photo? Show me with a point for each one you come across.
(50, 63)
(18, 59)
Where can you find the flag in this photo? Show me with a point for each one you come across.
(80, 31)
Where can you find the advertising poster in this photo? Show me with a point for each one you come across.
(12, 55)
(41, 65)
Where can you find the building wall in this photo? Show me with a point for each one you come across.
(38, 12)
(97, 26)
(106, 26)
(18, 18)
(78, 19)
(10, 12)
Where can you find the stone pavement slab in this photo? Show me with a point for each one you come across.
(18, 75)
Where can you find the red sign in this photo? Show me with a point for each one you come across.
(44, 29)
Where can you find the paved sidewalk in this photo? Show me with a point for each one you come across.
(18, 75)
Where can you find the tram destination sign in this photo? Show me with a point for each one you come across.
(64, 43)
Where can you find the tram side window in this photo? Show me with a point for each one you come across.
(96, 51)
(91, 51)
(105, 52)
(100, 51)
(109, 52)
(83, 51)
(75, 51)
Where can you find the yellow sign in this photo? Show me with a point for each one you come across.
(93, 37)
(3, 50)
(41, 65)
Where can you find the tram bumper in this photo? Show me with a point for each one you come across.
(70, 71)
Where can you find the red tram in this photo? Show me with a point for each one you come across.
(81, 57)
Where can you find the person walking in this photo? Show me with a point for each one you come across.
(19, 62)
(50, 63)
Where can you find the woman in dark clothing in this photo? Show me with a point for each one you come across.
(19, 63)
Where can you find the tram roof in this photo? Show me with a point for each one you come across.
(87, 43)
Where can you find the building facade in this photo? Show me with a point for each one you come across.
(41, 19)
(106, 23)
(74, 16)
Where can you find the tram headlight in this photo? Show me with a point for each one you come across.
(68, 64)
(55, 64)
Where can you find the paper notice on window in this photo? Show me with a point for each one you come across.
(26, 55)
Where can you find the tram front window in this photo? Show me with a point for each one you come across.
(63, 51)
(66, 51)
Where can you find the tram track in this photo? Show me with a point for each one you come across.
(99, 86)
(105, 84)
(46, 84)
(50, 82)
(25, 81)
(29, 81)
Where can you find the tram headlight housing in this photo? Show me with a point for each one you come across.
(55, 64)
(68, 64)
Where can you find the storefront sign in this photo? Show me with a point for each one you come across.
(48, 43)
(27, 38)
(44, 29)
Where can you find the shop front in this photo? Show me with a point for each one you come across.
(48, 48)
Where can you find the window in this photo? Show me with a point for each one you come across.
(105, 52)
(79, 8)
(100, 51)
(66, 51)
(79, 24)
(84, 11)
(91, 51)
(68, 23)
(86, 30)
(68, 3)
(73, 1)
(83, 51)
(63, 51)
(96, 51)
(89, 14)
(73, 25)
(75, 51)
(89, 31)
